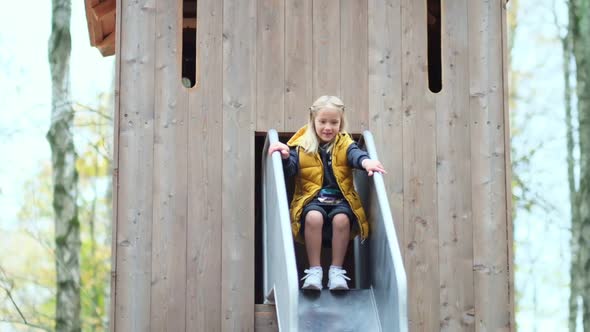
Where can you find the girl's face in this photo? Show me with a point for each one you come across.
(327, 124)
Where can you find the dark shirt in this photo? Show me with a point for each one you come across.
(354, 155)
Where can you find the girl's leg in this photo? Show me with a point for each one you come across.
(340, 238)
(314, 221)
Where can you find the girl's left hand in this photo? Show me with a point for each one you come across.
(372, 166)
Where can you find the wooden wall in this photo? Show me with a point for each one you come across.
(183, 237)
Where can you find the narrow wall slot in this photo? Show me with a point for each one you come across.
(434, 45)
(189, 43)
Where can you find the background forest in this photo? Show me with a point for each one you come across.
(56, 128)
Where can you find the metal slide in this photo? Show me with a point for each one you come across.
(379, 300)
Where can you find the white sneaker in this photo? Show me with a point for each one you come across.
(337, 279)
(313, 279)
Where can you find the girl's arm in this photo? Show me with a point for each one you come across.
(289, 155)
(372, 166)
(358, 158)
(290, 165)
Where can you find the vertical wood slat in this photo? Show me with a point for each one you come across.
(135, 171)
(270, 65)
(298, 63)
(419, 146)
(498, 315)
(385, 108)
(115, 183)
(489, 205)
(457, 303)
(205, 146)
(354, 64)
(239, 105)
(168, 291)
(326, 48)
(508, 168)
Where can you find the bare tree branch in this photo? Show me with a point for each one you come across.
(91, 110)
(7, 285)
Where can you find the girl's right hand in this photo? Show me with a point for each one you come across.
(281, 147)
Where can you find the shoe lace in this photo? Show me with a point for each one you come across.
(310, 272)
(339, 273)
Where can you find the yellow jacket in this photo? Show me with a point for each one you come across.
(310, 178)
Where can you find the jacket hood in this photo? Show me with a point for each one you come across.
(296, 139)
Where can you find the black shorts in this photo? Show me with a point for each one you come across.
(328, 212)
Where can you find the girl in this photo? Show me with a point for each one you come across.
(325, 208)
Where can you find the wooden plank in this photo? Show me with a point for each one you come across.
(115, 188)
(107, 46)
(419, 146)
(492, 303)
(239, 105)
(457, 304)
(508, 170)
(94, 27)
(108, 25)
(204, 241)
(266, 318)
(170, 176)
(298, 63)
(385, 99)
(134, 192)
(499, 312)
(103, 9)
(353, 65)
(326, 48)
(270, 66)
(100, 17)
(101, 25)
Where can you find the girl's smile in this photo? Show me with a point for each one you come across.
(327, 124)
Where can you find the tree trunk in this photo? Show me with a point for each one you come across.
(65, 175)
(575, 268)
(579, 28)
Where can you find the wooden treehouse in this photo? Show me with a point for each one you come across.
(200, 82)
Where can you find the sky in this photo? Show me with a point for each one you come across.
(541, 237)
(25, 90)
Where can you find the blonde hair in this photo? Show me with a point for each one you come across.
(310, 142)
